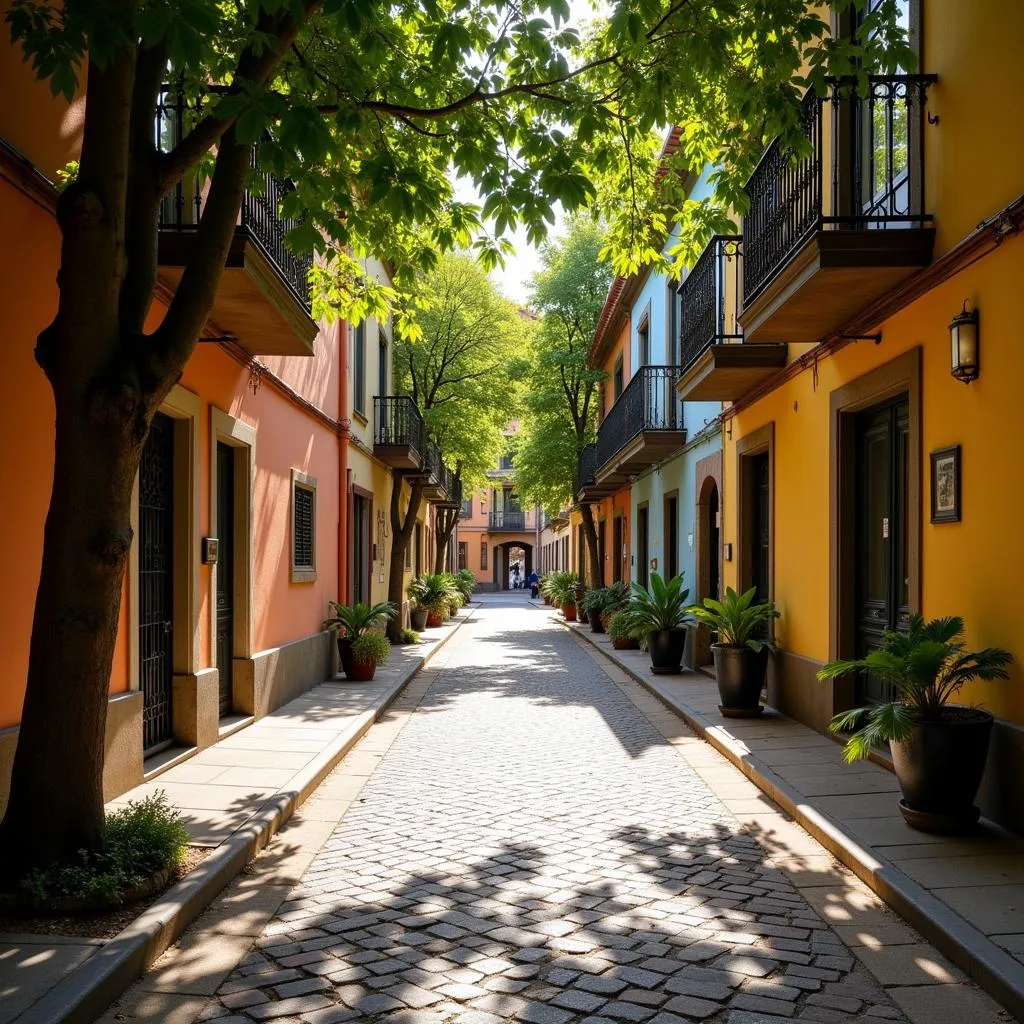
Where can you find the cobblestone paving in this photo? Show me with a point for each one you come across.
(531, 849)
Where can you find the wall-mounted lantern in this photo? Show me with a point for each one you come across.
(963, 338)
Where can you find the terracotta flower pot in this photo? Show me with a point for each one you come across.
(434, 619)
(361, 671)
(569, 611)
(629, 643)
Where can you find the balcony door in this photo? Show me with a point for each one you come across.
(881, 563)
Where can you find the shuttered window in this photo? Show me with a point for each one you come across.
(303, 567)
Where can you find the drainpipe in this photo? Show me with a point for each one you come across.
(344, 473)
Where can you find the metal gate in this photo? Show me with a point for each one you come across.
(225, 571)
(156, 582)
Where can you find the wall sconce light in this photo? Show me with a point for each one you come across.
(963, 338)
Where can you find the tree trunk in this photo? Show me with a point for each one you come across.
(445, 527)
(401, 534)
(593, 555)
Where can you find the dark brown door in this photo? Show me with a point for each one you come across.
(361, 550)
(617, 550)
(156, 582)
(671, 538)
(225, 572)
(642, 547)
(761, 526)
(713, 544)
(882, 585)
(602, 542)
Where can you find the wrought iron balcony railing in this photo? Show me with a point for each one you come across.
(514, 519)
(648, 403)
(588, 466)
(260, 216)
(864, 171)
(710, 299)
(397, 423)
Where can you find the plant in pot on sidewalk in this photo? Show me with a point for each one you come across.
(352, 623)
(616, 599)
(435, 595)
(621, 633)
(418, 611)
(662, 615)
(741, 653)
(938, 749)
(369, 650)
(564, 592)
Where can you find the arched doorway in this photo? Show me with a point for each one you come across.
(709, 555)
(508, 554)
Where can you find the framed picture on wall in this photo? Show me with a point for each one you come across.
(945, 481)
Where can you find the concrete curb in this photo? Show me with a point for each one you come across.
(992, 968)
(87, 991)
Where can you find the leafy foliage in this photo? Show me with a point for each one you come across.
(662, 607)
(736, 618)
(356, 621)
(605, 599)
(621, 626)
(408, 636)
(561, 397)
(562, 587)
(142, 838)
(371, 646)
(465, 580)
(435, 592)
(926, 665)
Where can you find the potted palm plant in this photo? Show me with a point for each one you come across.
(616, 598)
(418, 612)
(662, 615)
(352, 623)
(620, 632)
(938, 749)
(465, 580)
(434, 595)
(564, 591)
(741, 653)
(369, 650)
(592, 605)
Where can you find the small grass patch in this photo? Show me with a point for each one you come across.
(143, 840)
(408, 636)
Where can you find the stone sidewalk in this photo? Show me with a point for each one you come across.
(965, 894)
(259, 771)
(540, 840)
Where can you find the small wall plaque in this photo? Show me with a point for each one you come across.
(210, 550)
(945, 480)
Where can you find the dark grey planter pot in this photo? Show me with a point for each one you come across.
(666, 648)
(740, 674)
(418, 619)
(939, 768)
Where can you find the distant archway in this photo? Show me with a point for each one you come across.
(506, 555)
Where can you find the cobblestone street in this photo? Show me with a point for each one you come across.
(532, 848)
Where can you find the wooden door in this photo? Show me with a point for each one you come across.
(225, 572)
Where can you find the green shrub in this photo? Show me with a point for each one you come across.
(408, 636)
(142, 838)
(620, 627)
(371, 647)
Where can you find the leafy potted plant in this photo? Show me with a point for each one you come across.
(938, 749)
(620, 632)
(465, 580)
(564, 593)
(741, 653)
(547, 583)
(661, 614)
(591, 606)
(434, 594)
(369, 650)
(418, 612)
(615, 600)
(352, 623)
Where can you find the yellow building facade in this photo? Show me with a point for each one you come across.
(880, 472)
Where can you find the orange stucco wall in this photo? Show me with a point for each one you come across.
(971, 568)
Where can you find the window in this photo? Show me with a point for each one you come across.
(674, 320)
(408, 554)
(359, 370)
(467, 509)
(463, 554)
(303, 567)
(382, 363)
(600, 402)
(506, 461)
(419, 549)
(618, 377)
(643, 342)
(483, 554)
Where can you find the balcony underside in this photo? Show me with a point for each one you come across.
(398, 456)
(725, 373)
(254, 303)
(589, 493)
(646, 449)
(831, 278)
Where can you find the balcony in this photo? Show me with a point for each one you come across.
(643, 427)
(717, 364)
(398, 434)
(263, 300)
(440, 487)
(590, 490)
(830, 233)
(510, 520)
